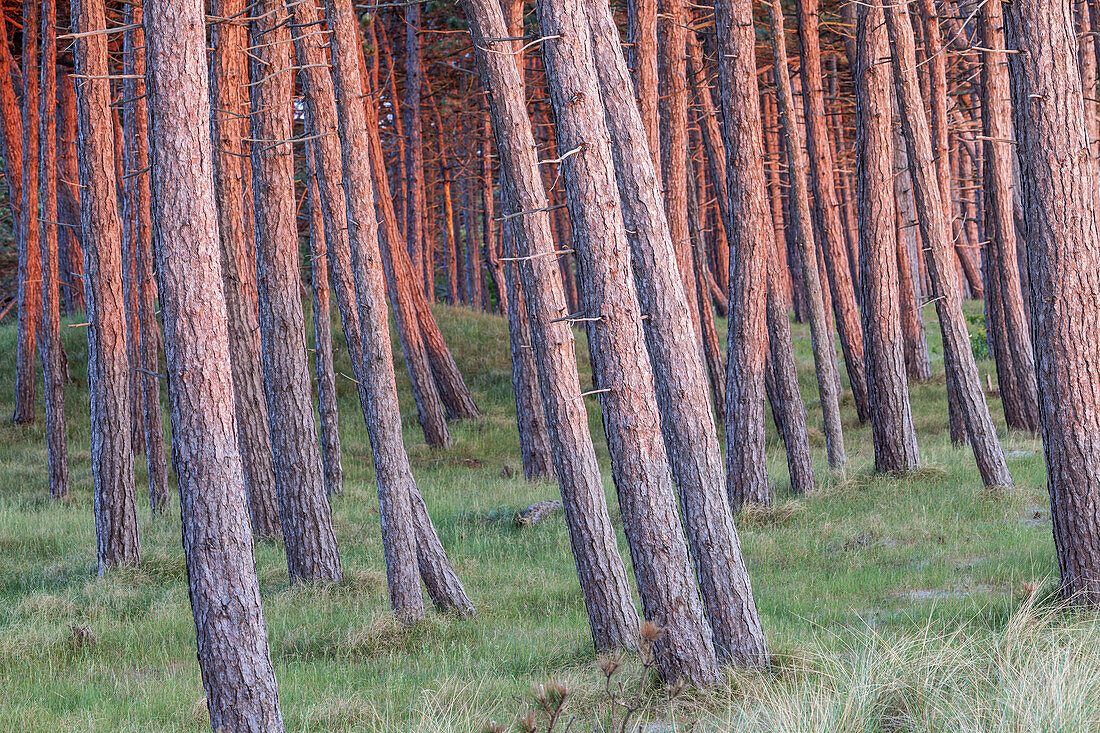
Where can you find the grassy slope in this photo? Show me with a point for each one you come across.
(899, 556)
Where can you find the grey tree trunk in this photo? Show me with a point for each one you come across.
(895, 440)
(237, 674)
(322, 339)
(53, 368)
(534, 438)
(676, 359)
(958, 355)
(612, 618)
(308, 537)
(746, 472)
(232, 181)
(917, 363)
(1063, 247)
(136, 156)
(828, 378)
(407, 531)
(1005, 306)
(612, 316)
(108, 368)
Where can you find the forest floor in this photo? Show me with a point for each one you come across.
(915, 603)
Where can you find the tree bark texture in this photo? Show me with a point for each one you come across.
(29, 273)
(828, 377)
(958, 355)
(895, 440)
(1007, 319)
(237, 674)
(304, 510)
(676, 359)
(325, 374)
(1063, 247)
(53, 369)
(232, 182)
(826, 206)
(612, 618)
(108, 368)
(746, 474)
(640, 466)
(136, 162)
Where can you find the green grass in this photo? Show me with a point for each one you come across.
(878, 594)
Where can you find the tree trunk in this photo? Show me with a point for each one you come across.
(69, 195)
(715, 155)
(676, 358)
(232, 171)
(53, 370)
(534, 439)
(11, 127)
(641, 34)
(1011, 338)
(828, 378)
(415, 239)
(29, 287)
(322, 339)
(958, 355)
(612, 617)
(1063, 247)
(310, 544)
(612, 316)
(406, 526)
(136, 154)
(895, 440)
(826, 206)
(788, 409)
(108, 368)
(917, 364)
(672, 105)
(746, 474)
(239, 680)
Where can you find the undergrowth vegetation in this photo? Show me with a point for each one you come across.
(890, 603)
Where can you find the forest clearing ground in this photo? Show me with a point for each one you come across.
(905, 593)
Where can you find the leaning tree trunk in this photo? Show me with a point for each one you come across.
(239, 680)
(534, 438)
(29, 272)
(406, 526)
(826, 206)
(612, 316)
(108, 367)
(895, 440)
(322, 338)
(828, 378)
(788, 409)
(1063, 247)
(746, 474)
(136, 154)
(612, 617)
(958, 355)
(232, 172)
(1012, 340)
(310, 543)
(53, 369)
(676, 359)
